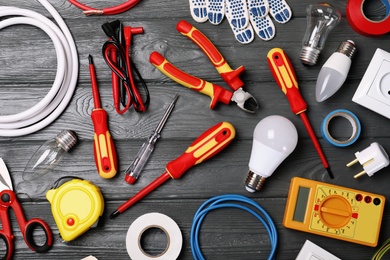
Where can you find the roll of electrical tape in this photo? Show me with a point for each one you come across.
(154, 220)
(352, 118)
(361, 24)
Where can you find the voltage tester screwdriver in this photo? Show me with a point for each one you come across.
(134, 170)
(204, 147)
(284, 75)
(103, 147)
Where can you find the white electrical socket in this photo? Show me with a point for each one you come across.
(311, 251)
(373, 91)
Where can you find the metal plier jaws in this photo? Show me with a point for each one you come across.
(244, 100)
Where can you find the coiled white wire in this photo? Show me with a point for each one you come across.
(61, 92)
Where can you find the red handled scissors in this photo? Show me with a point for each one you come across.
(8, 199)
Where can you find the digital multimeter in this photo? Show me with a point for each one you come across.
(334, 211)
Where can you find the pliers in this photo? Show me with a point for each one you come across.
(244, 100)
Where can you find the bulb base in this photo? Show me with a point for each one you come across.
(347, 48)
(254, 182)
(66, 139)
(309, 55)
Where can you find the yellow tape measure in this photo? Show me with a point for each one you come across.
(76, 207)
(334, 211)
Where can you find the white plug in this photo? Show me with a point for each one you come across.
(373, 159)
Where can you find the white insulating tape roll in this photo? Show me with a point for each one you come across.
(154, 220)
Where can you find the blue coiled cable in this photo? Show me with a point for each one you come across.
(227, 201)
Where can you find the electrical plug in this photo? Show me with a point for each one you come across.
(373, 159)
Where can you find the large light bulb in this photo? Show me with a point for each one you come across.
(335, 71)
(49, 155)
(321, 19)
(274, 138)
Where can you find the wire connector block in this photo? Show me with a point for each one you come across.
(373, 159)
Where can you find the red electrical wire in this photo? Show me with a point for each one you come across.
(87, 10)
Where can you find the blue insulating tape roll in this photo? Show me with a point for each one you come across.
(352, 118)
(231, 201)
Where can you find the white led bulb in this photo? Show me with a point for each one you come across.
(335, 71)
(274, 138)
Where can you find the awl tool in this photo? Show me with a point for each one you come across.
(103, 147)
(243, 99)
(284, 75)
(204, 147)
(134, 170)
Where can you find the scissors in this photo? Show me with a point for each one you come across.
(8, 199)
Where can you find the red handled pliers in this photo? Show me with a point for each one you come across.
(8, 199)
(244, 100)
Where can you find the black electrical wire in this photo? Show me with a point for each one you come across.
(125, 73)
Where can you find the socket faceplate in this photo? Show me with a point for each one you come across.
(373, 91)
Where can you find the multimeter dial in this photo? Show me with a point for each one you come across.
(334, 211)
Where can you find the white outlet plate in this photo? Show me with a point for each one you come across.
(373, 91)
(311, 251)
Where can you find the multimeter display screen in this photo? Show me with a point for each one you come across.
(300, 207)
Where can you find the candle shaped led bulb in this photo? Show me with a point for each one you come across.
(321, 19)
(49, 155)
(335, 70)
(274, 138)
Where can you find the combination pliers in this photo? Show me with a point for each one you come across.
(244, 100)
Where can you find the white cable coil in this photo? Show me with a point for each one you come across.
(64, 85)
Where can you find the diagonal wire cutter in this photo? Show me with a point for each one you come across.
(244, 100)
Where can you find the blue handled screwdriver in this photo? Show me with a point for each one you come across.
(134, 170)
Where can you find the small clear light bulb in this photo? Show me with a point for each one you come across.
(49, 155)
(335, 71)
(321, 19)
(274, 138)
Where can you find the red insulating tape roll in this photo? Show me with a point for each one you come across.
(361, 24)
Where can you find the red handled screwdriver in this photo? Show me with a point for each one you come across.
(284, 75)
(204, 147)
(103, 147)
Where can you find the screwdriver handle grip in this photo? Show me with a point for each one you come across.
(204, 147)
(284, 74)
(230, 76)
(217, 93)
(104, 149)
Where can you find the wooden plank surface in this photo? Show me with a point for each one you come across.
(28, 67)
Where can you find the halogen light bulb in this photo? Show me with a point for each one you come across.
(335, 71)
(274, 138)
(321, 19)
(49, 155)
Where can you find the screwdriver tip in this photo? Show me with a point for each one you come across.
(175, 98)
(114, 214)
(90, 59)
(329, 172)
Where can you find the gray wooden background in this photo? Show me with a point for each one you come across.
(28, 61)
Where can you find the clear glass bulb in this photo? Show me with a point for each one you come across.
(49, 155)
(335, 71)
(274, 138)
(321, 19)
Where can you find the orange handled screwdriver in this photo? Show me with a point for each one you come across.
(103, 147)
(284, 75)
(204, 147)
